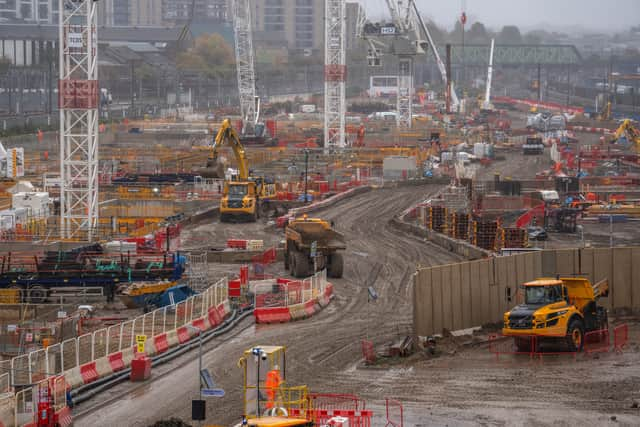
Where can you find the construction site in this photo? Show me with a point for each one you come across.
(451, 247)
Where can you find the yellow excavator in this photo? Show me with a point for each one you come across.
(631, 134)
(243, 197)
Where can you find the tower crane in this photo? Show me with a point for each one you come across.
(245, 69)
(415, 15)
(407, 22)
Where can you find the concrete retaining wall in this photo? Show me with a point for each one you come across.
(469, 294)
(459, 247)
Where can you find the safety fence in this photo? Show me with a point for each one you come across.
(45, 400)
(533, 346)
(99, 353)
(260, 262)
(394, 412)
(336, 410)
(282, 300)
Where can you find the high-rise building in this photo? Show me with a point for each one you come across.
(30, 11)
(125, 13)
(146, 13)
(298, 24)
(179, 11)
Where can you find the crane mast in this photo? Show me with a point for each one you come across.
(487, 96)
(244, 63)
(455, 102)
(335, 74)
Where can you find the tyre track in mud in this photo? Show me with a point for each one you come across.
(321, 351)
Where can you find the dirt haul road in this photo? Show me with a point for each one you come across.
(463, 386)
(320, 350)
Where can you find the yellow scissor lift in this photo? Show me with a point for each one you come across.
(266, 404)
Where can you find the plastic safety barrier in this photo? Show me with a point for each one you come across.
(272, 315)
(116, 361)
(395, 413)
(310, 308)
(183, 334)
(297, 311)
(89, 372)
(214, 317)
(161, 342)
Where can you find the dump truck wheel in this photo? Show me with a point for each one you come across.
(575, 335)
(336, 265)
(286, 260)
(38, 295)
(292, 263)
(302, 265)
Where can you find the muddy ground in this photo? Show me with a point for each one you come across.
(464, 385)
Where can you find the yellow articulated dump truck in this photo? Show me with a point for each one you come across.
(564, 309)
(312, 245)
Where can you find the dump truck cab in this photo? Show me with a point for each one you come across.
(563, 308)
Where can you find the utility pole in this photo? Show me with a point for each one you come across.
(132, 89)
(306, 172)
(539, 84)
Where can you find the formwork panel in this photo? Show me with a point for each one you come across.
(456, 297)
(437, 299)
(635, 279)
(565, 261)
(423, 302)
(621, 281)
(549, 263)
(484, 282)
(602, 269)
(466, 298)
(476, 293)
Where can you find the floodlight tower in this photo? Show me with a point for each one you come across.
(78, 104)
(335, 74)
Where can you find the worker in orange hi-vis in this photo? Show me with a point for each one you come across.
(272, 383)
(40, 135)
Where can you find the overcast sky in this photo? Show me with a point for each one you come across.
(603, 15)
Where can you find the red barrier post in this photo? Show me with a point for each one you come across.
(620, 337)
(395, 413)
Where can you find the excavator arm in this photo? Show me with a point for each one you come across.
(228, 136)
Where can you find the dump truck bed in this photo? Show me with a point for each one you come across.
(324, 238)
